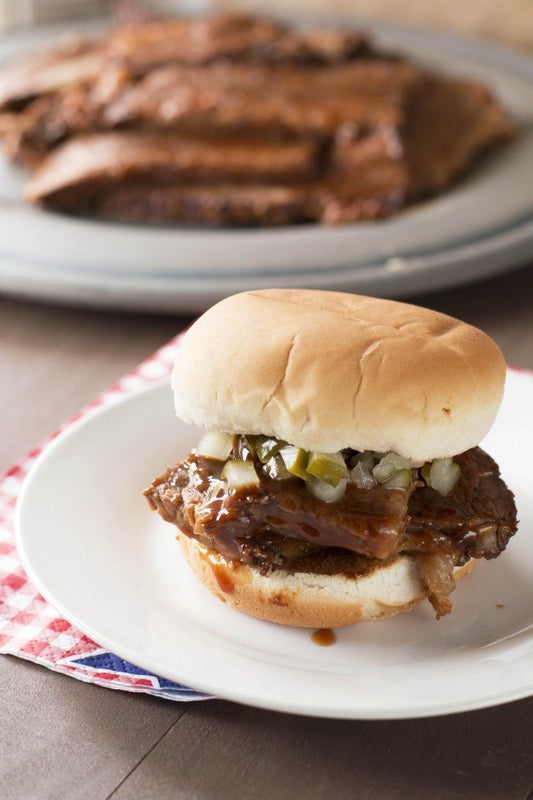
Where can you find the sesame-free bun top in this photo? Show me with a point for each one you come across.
(327, 370)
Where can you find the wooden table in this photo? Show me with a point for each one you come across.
(63, 739)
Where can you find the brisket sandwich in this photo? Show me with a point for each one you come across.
(339, 479)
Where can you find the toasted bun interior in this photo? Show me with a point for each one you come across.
(327, 370)
(311, 600)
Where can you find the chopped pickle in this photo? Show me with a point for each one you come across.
(394, 471)
(384, 470)
(251, 444)
(328, 467)
(275, 468)
(266, 447)
(240, 474)
(216, 445)
(390, 464)
(400, 480)
(326, 474)
(443, 475)
(325, 491)
(365, 458)
(295, 459)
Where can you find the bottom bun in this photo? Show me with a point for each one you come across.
(312, 600)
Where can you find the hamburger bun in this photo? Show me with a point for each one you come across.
(327, 370)
(312, 600)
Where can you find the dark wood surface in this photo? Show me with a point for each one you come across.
(60, 738)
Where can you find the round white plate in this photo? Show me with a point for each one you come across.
(482, 225)
(113, 568)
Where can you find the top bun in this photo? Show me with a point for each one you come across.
(327, 370)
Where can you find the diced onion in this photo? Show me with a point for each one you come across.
(400, 480)
(216, 445)
(390, 464)
(324, 491)
(443, 475)
(361, 476)
(366, 458)
(240, 474)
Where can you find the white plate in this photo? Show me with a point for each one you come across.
(481, 226)
(113, 568)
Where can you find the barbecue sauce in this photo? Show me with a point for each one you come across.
(221, 569)
(223, 578)
(324, 637)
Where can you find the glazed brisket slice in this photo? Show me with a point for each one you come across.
(68, 88)
(448, 124)
(22, 135)
(269, 98)
(239, 120)
(76, 62)
(319, 46)
(279, 525)
(29, 132)
(475, 520)
(479, 515)
(193, 41)
(219, 204)
(229, 36)
(77, 171)
(368, 172)
(374, 192)
(44, 98)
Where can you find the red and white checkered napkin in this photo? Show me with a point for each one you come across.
(29, 626)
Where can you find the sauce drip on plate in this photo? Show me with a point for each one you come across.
(324, 637)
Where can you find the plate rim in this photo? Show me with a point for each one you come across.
(235, 694)
(466, 265)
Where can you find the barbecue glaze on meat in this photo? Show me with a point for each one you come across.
(374, 131)
(280, 525)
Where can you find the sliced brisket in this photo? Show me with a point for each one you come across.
(477, 518)
(136, 126)
(219, 204)
(97, 162)
(76, 62)
(235, 37)
(313, 100)
(280, 525)
(192, 41)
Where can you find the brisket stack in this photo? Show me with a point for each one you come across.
(234, 119)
